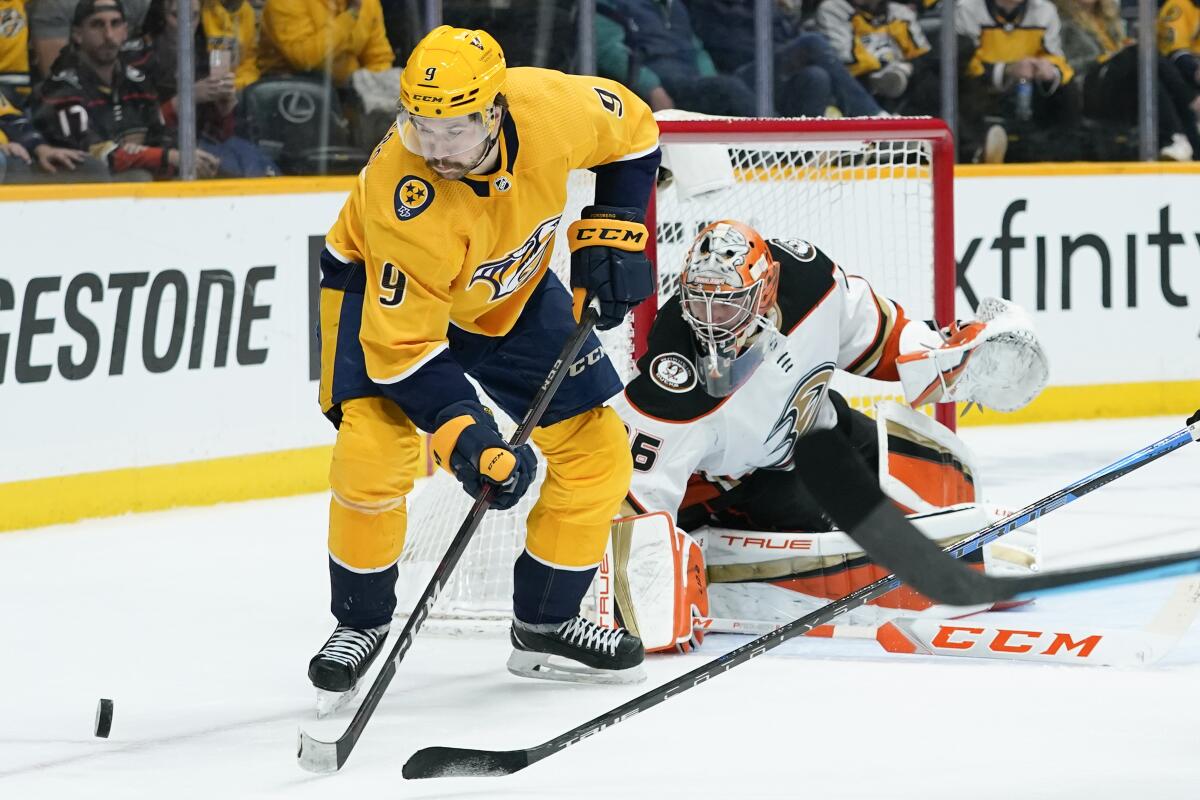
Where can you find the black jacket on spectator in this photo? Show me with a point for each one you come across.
(142, 54)
(731, 22)
(74, 109)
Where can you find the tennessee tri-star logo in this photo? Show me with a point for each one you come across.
(413, 195)
(505, 275)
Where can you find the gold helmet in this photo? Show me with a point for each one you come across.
(452, 72)
(448, 111)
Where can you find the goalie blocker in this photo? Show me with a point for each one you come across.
(665, 585)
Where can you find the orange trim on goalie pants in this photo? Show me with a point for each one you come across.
(588, 467)
(938, 483)
(833, 583)
(375, 460)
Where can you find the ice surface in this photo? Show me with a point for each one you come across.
(199, 624)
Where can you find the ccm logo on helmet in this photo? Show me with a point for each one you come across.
(609, 234)
(427, 98)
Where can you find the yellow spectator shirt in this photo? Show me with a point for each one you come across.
(14, 47)
(234, 32)
(304, 35)
(470, 252)
(1179, 27)
(865, 41)
(1035, 32)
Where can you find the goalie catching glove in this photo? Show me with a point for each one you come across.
(996, 361)
(468, 445)
(609, 262)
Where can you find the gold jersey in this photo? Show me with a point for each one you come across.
(1033, 31)
(1179, 27)
(470, 252)
(867, 41)
(14, 48)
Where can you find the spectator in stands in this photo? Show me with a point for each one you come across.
(156, 55)
(809, 75)
(882, 44)
(231, 28)
(1018, 76)
(92, 101)
(650, 46)
(14, 52)
(26, 156)
(1179, 37)
(50, 26)
(341, 36)
(1105, 61)
(532, 33)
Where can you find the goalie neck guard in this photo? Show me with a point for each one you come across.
(727, 288)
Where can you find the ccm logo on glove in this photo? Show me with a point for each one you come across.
(630, 236)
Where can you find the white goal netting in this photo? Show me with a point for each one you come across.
(865, 197)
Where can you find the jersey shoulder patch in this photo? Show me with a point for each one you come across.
(666, 386)
(806, 277)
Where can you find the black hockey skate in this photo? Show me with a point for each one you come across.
(343, 660)
(576, 650)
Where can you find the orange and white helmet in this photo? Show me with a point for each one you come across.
(728, 285)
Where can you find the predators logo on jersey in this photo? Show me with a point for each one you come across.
(413, 195)
(800, 412)
(505, 275)
(12, 22)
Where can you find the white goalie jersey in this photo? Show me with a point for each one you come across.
(824, 320)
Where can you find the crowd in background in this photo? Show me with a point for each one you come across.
(89, 88)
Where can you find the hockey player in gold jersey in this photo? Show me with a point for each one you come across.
(438, 267)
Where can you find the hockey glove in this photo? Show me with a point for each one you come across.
(468, 445)
(609, 262)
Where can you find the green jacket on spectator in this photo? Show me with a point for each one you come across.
(615, 54)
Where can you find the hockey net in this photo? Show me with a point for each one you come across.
(875, 194)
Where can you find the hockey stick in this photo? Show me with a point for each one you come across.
(315, 755)
(432, 762)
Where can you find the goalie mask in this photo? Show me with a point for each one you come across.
(728, 285)
(450, 101)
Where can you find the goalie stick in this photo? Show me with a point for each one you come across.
(432, 762)
(1019, 639)
(315, 755)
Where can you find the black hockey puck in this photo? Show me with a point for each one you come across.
(104, 711)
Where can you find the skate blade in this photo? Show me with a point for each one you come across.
(329, 703)
(546, 667)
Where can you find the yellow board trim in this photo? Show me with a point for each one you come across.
(247, 187)
(50, 501)
(178, 190)
(69, 498)
(1107, 401)
(1074, 169)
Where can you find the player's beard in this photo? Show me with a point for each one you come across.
(453, 168)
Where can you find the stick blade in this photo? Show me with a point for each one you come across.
(449, 762)
(317, 756)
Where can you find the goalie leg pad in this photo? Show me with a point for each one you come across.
(653, 582)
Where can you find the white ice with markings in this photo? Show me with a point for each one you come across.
(199, 624)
